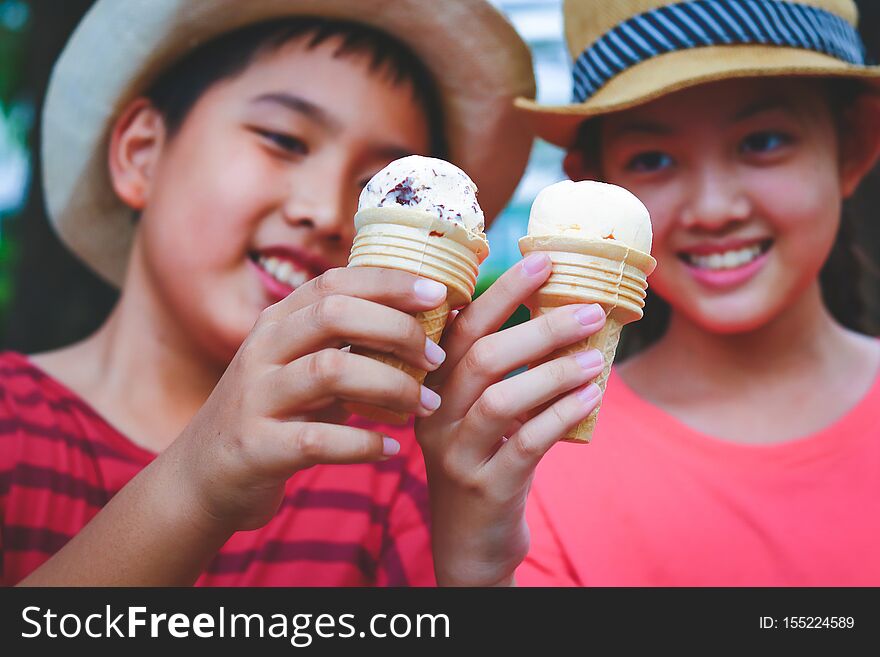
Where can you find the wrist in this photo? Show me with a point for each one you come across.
(487, 557)
(508, 581)
(184, 500)
(474, 573)
(449, 581)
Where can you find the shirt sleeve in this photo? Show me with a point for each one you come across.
(546, 563)
(405, 558)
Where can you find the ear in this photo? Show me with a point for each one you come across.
(577, 168)
(135, 145)
(859, 141)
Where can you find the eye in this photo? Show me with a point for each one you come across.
(287, 143)
(649, 162)
(766, 141)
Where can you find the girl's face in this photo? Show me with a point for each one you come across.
(256, 192)
(743, 185)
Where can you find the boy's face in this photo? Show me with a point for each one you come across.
(256, 192)
(742, 182)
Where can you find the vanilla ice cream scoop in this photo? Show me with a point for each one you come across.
(591, 210)
(426, 183)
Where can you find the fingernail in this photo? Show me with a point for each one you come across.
(535, 263)
(590, 360)
(589, 315)
(430, 291)
(589, 394)
(430, 399)
(433, 352)
(390, 447)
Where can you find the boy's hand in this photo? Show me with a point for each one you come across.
(481, 448)
(271, 413)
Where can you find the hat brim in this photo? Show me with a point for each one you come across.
(671, 72)
(478, 61)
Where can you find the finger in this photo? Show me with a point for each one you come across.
(337, 321)
(318, 379)
(388, 287)
(494, 356)
(514, 426)
(516, 459)
(491, 309)
(333, 414)
(490, 416)
(291, 446)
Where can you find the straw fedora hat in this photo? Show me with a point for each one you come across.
(629, 52)
(478, 62)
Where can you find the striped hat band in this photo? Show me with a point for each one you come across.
(700, 23)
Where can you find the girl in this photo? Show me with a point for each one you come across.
(741, 446)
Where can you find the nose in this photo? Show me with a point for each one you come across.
(717, 199)
(323, 202)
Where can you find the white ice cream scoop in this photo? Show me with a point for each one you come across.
(591, 210)
(430, 184)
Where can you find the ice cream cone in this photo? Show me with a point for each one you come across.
(422, 244)
(591, 271)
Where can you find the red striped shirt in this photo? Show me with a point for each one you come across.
(61, 462)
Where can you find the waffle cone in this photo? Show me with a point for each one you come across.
(420, 244)
(591, 271)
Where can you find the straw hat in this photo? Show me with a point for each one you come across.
(629, 52)
(478, 61)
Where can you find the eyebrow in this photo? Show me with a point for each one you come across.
(301, 106)
(643, 128)
(637, 127)
(764, 105)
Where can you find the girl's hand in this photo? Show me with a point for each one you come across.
(274, 410)
(480, 447)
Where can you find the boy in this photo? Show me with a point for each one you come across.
(217, 187)
(245, 151)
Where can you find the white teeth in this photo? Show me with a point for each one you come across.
(297, 278)
(284, 271)
(726, 260)
(270, 264)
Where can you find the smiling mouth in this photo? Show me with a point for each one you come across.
(724, 260)
(286, 272)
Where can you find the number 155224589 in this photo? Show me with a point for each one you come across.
(808, 622)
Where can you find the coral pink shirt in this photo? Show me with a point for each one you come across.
(652, 502)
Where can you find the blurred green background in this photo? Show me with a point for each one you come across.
(15, 122)
(48, 299)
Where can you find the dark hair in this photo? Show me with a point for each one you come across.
(176, 92)
(842, 278)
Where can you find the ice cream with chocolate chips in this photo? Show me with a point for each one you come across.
(429, 185)
(420, 215)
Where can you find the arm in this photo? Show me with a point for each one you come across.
(151, 533)
(275, 411)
